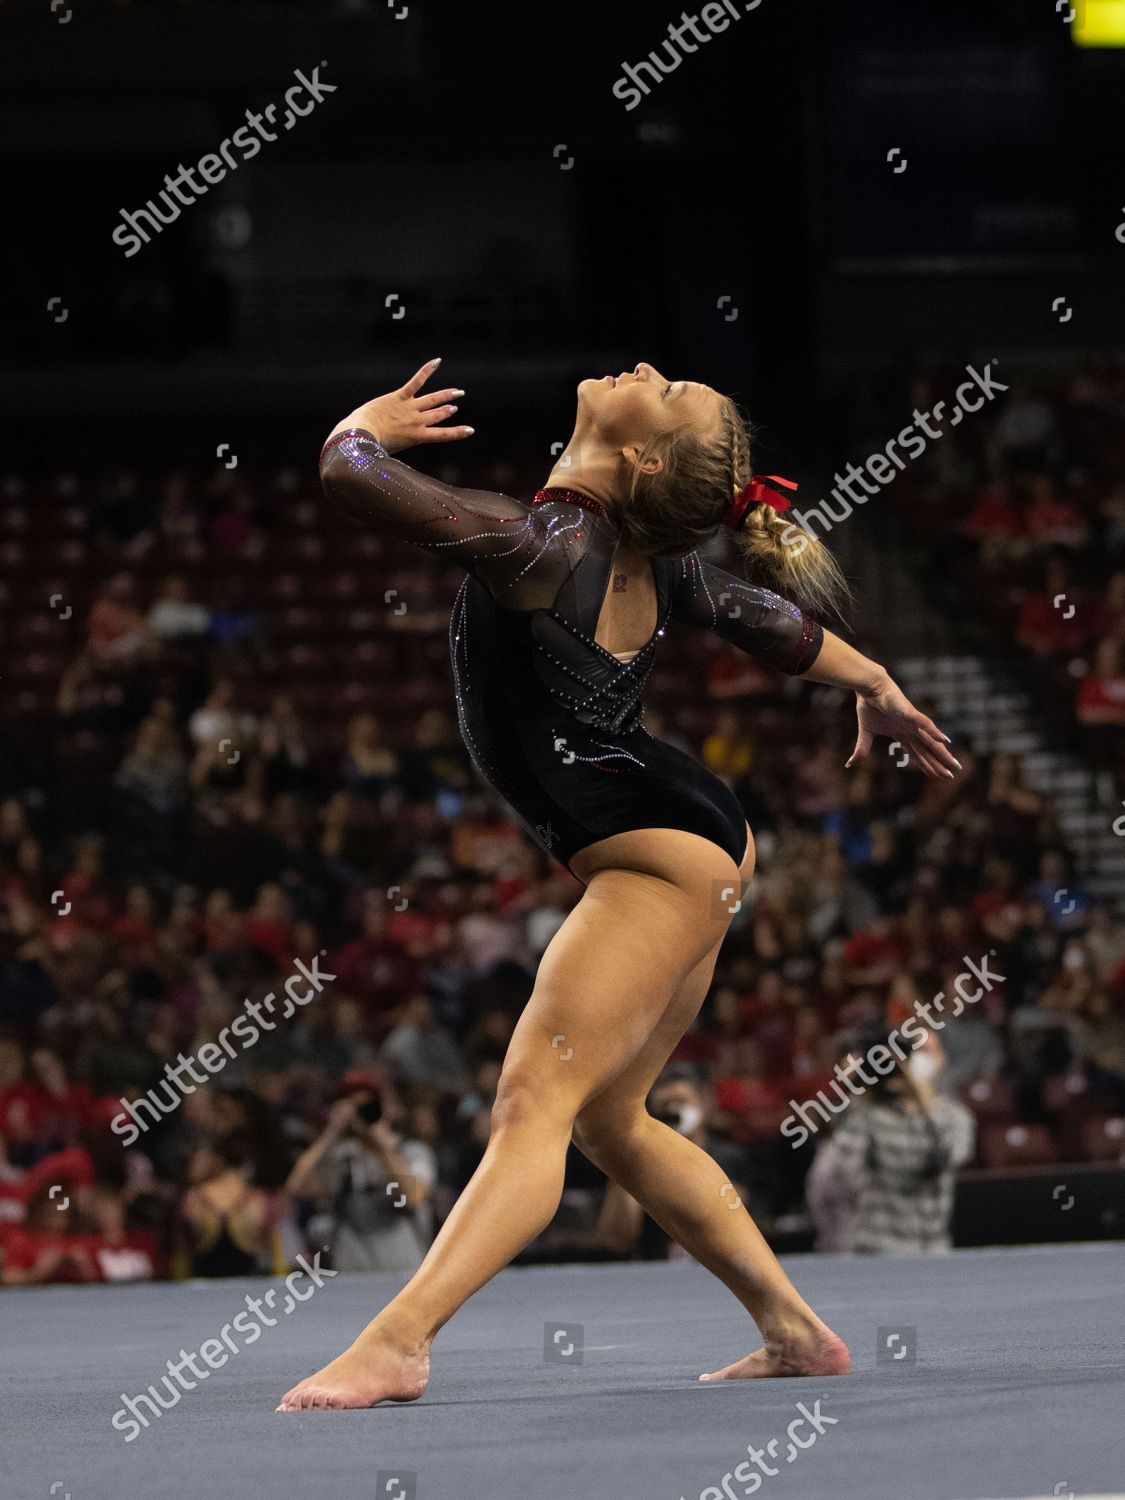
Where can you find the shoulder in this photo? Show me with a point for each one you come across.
(949, 1111)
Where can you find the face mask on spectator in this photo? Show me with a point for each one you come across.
(924, 1068)
(686, 1118)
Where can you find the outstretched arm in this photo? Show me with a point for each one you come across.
(882, 708)
(361, 477)
(779, 634)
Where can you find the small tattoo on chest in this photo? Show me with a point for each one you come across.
(620, 582)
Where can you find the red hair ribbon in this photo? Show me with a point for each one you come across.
(757, 492)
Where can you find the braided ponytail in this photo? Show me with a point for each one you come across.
(778, 552)
(679, 506)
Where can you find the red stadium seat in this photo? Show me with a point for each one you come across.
(990, 1099)
(760, 1124)
(1103, 1138)
(1017, 1146)
(1067, 1093)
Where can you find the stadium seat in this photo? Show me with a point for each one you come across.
(1017, 1146)
(1103, 1138)
(1066, 1092)
(990, 1099)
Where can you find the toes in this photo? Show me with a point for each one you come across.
(743, 1369)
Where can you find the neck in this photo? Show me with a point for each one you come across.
(594, 473)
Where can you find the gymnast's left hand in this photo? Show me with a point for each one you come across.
(885, 710)
(403, 419)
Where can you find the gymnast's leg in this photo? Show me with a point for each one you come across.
(644, 923)
(682, 1188)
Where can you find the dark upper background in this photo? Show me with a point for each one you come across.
(757, 171)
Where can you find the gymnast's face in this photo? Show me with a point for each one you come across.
(627, 411)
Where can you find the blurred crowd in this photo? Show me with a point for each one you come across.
(1023, 512)
(235, 761)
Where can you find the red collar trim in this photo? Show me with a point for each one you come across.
(568, 497)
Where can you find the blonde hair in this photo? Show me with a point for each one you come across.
(681, 505)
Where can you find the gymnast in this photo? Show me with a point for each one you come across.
(553, 633)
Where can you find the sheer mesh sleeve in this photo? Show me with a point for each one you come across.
(520, 554)
(755, 620)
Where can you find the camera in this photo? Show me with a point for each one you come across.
(371, 1110)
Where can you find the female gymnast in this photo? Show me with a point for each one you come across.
(553, 633)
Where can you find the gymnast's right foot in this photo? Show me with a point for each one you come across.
(377, 1367)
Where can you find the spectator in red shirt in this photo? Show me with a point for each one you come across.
(1049, 628)
(13, 1196)
(222, 924)
(269, 924)
(49, 1247)
(875, 954)
(117, 1253)
(747, 1098)
(996, 516)
(62, 1109)
(1053, 521)
(1101, 698)
(135, 930)
(374, 967)
(19, 1099)
(771, 1023)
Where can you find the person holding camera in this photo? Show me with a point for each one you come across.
(887, 1170)
(375, 1184)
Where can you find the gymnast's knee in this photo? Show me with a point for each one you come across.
(602, 1133)
(524, 1097)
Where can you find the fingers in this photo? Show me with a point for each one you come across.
(931, 728)
(444, 434)
(922, 757)
(936, 744)
(437, 398)
(435, 414)
(419, 378)
(863, 743)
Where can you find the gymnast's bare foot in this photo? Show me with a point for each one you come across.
(378, 1367)
(801, 1348)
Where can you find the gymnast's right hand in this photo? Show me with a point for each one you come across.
(403, 418)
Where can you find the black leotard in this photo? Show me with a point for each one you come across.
(552, 719)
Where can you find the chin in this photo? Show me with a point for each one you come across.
(592, 392)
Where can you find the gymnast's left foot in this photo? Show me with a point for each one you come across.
(803, 1348)
(377, 1367)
